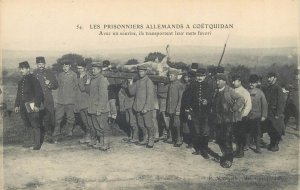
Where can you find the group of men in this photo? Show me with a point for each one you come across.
(195, 108)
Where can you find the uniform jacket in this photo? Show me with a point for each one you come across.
(175, 91)
(67, 88)
(98, 99)
(29, 89)
(82, 93)
(162, 93)
(42, 76)
(143, 92)
(200, 91)
(125, 100)
(227, 105)
(259, 104)
(247, 104)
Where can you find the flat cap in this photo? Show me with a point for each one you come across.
(194, 66)
(173, 72)
(142, 67)
(97, 64)
(211, 69)
(272, 74)
(24, 64)
(66, 62)
(106, 63)
(253, 78)
(201, 72)
(81, 64)
(40, 59)
(221, 76)
(236, 77)
(220, 69)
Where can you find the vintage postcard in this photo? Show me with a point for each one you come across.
(130, 94)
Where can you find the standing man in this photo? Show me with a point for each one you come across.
(242, 132)
(82, 102)
(48, 83)
(226, 106)
(66, 99)
(99, 107)
(174, 106)
(259, 111)
(200, 101)
(143, 105)
(212, 70)
(275, 119)
(125, 105)
(162, 93)
(28, 101)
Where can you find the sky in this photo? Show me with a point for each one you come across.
(51, 25)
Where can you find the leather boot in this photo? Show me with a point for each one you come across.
(275, 147)
(105, 143)
(144, 141)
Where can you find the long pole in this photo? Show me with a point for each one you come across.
(224, 49)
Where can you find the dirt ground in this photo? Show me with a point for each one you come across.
(69, 165)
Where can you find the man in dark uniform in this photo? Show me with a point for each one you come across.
(48, 82)
(200, 100)
(275, 119)
(226, 106)
(28, 101)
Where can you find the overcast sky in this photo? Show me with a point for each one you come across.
(51, 25)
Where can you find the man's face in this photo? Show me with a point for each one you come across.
(236, 83)
(96, 70)
(220, 83)
(66, 68)
(172, 77)
(142, 73)
(253, 85)
(41, 66)
(24, 71)
(272, 80)
(201, 78)
(81, 69)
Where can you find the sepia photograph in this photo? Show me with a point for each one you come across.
(160, 95)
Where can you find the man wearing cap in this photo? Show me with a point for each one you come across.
(48, 82)
(66, 99)
(242, 133)
(275, 119)
(99, 108)
(112, 91)
(143, 105)
(162, 93)
(28, 101)
(200, 102)
(226, 105)
(125, 106)
(83, 102)
(258, 112)
(174, 106)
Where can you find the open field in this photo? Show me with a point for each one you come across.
(69, 165)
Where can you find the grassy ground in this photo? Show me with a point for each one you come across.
(69, 165)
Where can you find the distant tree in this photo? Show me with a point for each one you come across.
(178, 65)
(132, 62)
(153, 56)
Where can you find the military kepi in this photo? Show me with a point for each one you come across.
(40, 59)
(97, 64)
(201, 72)
(24, 64)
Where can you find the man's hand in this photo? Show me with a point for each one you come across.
(263, 119)
(98, 113)
(189, 117)
(204, 102)
(17, 109)
(144, 111)
(47, 82)
(88, 81)
(130, 81)
(276, 117)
